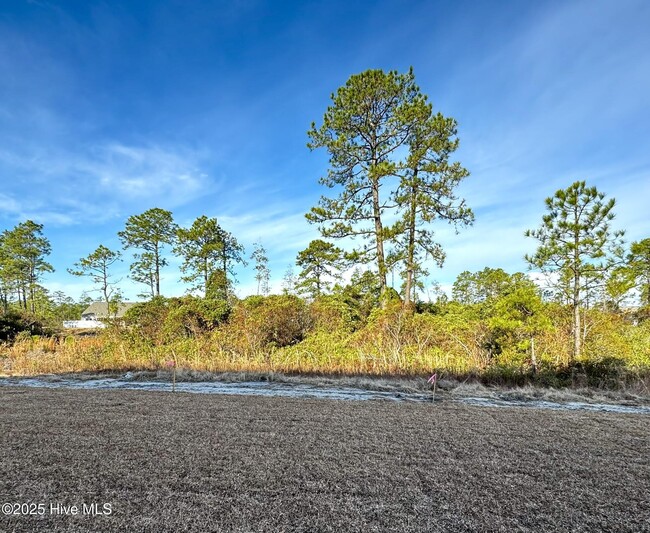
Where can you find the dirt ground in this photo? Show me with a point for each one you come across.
(191, 462)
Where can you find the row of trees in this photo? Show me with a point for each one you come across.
(392, 177)
(380, 131)
(23, 251)
(209, 255)
(510, 304)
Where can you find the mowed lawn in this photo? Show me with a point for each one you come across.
(191, 462)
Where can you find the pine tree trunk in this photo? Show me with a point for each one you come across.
(533, 355)
(576, 292)
(105, 289)
(157, 258)
(379, 236)
(410, 258)
(577, 333)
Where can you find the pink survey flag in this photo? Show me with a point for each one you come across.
(170, 364)
(433, 378)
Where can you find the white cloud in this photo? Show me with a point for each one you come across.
(9, 205)
(146, 172)
(278, 230)
(100, 183)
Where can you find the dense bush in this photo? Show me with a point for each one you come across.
(270, 322)
(361, 295)
(163, 319)
(13, 323)
(145, 319)
(606, 338)
(194, 317)
(332, 313)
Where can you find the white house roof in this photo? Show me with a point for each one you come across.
(100, 310)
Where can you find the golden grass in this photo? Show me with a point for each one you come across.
(321, 353)
(261, 336)
(386, 347)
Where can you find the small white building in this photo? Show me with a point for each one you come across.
(92, 317)
(83, 324)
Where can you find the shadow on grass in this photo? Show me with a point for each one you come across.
(609, 373)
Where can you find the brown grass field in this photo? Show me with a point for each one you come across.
(191, 462)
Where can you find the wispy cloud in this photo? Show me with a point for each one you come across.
(151, 172)
(281, 231)
(9, 205)
(104, 182)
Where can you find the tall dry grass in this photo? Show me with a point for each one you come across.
(392, 342)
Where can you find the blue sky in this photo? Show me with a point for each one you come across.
(110, 108)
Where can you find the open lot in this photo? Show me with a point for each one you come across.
(192, 462)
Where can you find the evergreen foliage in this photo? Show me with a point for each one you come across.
(578, 246)
(149, 232)
(23, 250)
(426, 192)
(368, 121)
(320, 264)
(209, 255)
(381, 133)
(638, 262)
(97, 267)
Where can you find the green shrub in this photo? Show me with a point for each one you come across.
(163, 319)
(272, 321)
(14, 323)
(331, 313)
(638, 337)
(146, 319)
(362, 294)
(193, 317)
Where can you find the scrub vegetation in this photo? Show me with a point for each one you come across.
(361, 301)
(491, 341)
